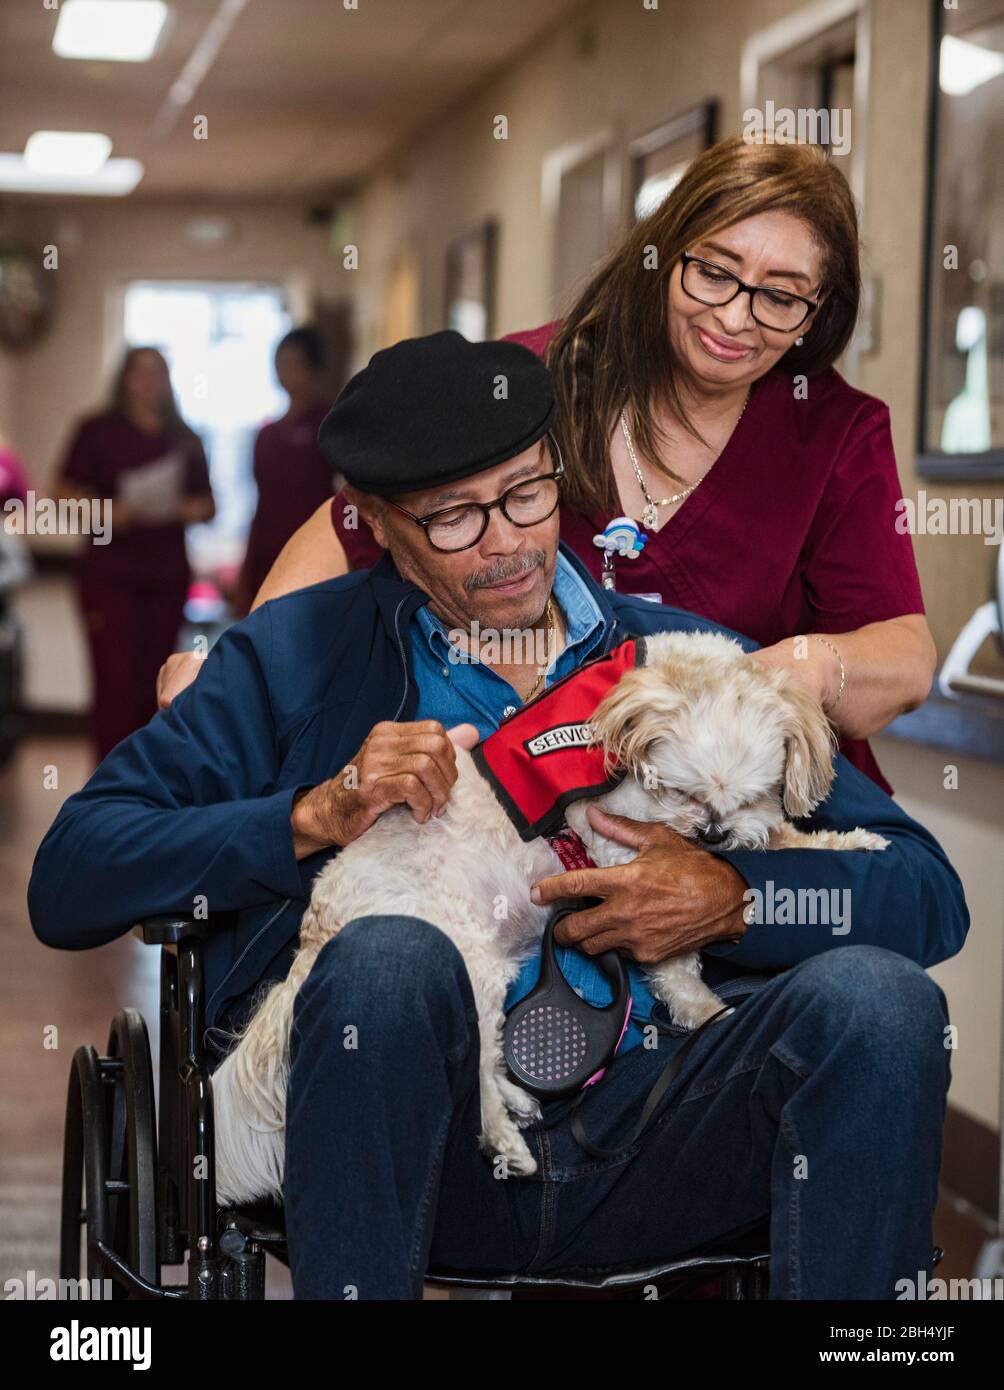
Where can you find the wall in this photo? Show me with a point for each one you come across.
(969, 823)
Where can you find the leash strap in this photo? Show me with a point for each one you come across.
(655, 1095)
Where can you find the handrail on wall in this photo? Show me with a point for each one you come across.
(955, 678)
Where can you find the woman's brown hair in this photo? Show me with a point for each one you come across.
(174, 424)
(613, 351)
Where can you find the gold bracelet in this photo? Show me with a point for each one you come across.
(827, 643)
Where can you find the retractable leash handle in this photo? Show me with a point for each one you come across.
(553, 1041)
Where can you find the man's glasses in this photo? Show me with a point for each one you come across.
(526, 503)
(710, 283)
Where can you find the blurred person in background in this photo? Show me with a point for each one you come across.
(290, 471)
(138, 453)
(15, 557)
(15, 570)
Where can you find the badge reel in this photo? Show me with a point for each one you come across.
(622, 536)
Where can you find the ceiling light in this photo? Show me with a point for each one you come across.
(964, 66)
(122, 31)
(115, 178)
(76, 153)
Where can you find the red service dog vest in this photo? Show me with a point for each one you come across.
(541, 759)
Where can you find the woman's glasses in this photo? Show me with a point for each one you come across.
(526, 503)
(710, 283)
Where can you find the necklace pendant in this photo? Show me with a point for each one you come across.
(650, 517)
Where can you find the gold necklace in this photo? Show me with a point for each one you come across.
(550, 618)
(650, 516)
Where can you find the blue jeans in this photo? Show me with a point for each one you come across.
(817, 1106)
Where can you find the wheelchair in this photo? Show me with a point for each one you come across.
(141, 1187)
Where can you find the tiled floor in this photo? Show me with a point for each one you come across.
(53, 1001)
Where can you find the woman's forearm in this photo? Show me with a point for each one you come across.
(887, 666)
(311, 555)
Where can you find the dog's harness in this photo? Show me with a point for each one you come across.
(542, 758)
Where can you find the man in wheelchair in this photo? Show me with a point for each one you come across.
(816, 1106)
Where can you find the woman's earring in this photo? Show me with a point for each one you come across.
(799, 342)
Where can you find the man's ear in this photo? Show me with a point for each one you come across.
(370, 508)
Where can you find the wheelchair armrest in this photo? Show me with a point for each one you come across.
(170, 929)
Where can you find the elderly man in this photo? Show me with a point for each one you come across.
(817, 1105)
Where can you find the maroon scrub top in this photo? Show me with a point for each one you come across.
(792, 531)
(103, 448)
(293, 480)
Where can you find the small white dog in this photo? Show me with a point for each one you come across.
(714, 744)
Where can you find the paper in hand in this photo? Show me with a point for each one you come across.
(152, 493)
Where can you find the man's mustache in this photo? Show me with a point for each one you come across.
(504, 570)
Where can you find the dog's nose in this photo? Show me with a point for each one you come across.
(712, 834)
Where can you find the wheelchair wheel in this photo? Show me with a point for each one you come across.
(110, 1158)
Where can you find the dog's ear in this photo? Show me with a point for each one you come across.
(809, 748)
(638, 710)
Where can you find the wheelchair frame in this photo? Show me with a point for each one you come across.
(149, 1188)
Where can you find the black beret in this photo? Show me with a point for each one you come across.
(431, 410)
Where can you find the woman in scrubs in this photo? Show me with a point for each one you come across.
(291, 473)
(139, 454)
(695, 391)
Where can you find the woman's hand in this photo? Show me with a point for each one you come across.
(177, 673)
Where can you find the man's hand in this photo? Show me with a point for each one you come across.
(176, 674)
(412, 765)
(670, 901)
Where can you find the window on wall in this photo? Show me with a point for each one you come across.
(581, 199)
(470, 282)
(660, 157)
(962, 371)
(805, 75)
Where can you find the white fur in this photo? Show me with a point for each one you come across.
(706, 734)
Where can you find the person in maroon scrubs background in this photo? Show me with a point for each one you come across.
(132, 589)
(774, 481)
(290, 471)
